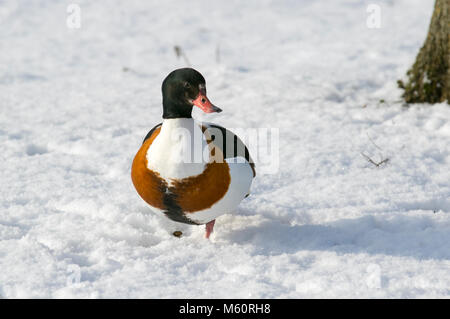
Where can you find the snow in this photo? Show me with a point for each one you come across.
(76, 103)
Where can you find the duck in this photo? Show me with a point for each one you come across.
(191, 171)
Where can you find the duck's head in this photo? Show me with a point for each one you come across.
(181, 90)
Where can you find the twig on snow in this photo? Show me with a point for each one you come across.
(373, 162)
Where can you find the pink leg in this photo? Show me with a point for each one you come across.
(209, 228)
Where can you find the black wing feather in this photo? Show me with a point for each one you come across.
(237, 147)
(151, 132)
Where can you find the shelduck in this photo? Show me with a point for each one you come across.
(191, 171)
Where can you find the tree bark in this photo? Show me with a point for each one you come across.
(428, 81)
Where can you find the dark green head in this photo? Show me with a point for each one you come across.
(181, 90)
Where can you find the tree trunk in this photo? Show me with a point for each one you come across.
(429, 78)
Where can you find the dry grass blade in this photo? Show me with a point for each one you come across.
(180, 53)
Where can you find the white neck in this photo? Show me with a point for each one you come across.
(177, 151)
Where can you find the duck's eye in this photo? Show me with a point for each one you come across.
(186, 85)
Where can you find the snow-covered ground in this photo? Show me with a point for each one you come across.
(76, 103)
